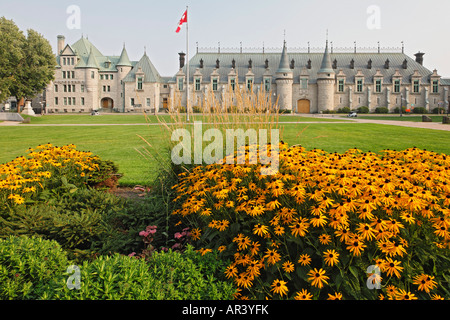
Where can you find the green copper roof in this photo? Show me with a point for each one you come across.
(124, 60)
(326, 66)
(149, 70)
(284, 62)
(92, 61)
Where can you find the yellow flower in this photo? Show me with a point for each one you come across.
(425, 282)
(304, 259)
(260, 230)
(318, 278)
(272, 256)
(288, 266)
(336, 296)
(303, 295)
(331, 257)
(279, 287)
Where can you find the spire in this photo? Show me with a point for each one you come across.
(326, 66)
(92, 62)
(124, 60)
(284, 62)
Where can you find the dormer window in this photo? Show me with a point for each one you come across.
(197, 84)
(341, 83)
(435, 86)
(215, 83)
(378, 84)
(416, 86)
(303, 83)
(267, 83)
(139, 83)
(180, 84)
(359, 85)
(397, 86)
(249, 84)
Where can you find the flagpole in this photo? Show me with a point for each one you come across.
(187, 67)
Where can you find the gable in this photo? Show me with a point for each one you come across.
(68, 51)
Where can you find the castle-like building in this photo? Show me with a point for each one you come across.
(302, 82)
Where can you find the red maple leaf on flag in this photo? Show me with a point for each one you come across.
(183, 20)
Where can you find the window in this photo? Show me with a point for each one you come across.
(65, 88)
(56, 100)
(74, 101)
(65, 101)
(82, 88)
(233, 83)
(104, 88)
(416, 86)
(106, 76)
(180, 84)
(197, 84)
(109, 88)
(92, 74)
(267, 84)
(68, 74)
(435, 86)
(73, 74)
(378, 86)
(72, 61)
(396, 86)
(111, 77)
(148, 102)
(303, 83)
(132, 101)
(56, 88)
(73, 88)
(341, 85)
(359, 85)
(64, 61)
(102, 77)
(139, 83)
(70, 101)
(82, 101)
(64, 74)
(69, 88)
(215, 84)
(249, 83)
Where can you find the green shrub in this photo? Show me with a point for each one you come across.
(74, 220)
(439, 110)
(27, 265)
(167, 276)
(344, 110)
(329, 111)
(363, 109)
(381, 110)
(420, 110)
(397, 110)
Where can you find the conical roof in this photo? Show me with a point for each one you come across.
(147, 67)
(326, 66)
(284, 62)
(124, 60)
(92, 61)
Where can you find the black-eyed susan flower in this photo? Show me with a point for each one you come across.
(393, 267)
(303, 295)
(331, 257)
(279, 287)
(304, 259)
(288, 266)
(425, 282)
(317, 277)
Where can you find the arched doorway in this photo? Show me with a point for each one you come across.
(107, 104)
(303, 106)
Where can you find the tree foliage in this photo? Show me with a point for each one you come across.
(26, 62)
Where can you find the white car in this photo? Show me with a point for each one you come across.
(352, 114)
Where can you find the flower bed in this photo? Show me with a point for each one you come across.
(357, 225)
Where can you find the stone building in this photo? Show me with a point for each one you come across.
(302, 82)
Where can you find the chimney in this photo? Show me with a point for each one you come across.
(419, 58)
(182, 59)
(61, 44)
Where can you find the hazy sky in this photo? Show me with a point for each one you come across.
(422, 25)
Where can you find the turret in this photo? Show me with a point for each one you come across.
(325, 83)
(284, 80)
(124, 67)
(91, 80)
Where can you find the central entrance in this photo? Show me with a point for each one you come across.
(107, 103)
(303, 106)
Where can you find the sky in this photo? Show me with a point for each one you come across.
(421, 25)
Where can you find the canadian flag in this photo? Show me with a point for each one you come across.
(183, 20)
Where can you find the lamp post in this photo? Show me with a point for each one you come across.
(401, 104)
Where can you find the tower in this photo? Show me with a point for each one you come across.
(325, 83)
(124, 67)
(91, 81)
(284, 80)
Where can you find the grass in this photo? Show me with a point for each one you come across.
(121, 143)
(143, 119)
(412, 118)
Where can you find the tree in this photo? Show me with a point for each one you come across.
(27, 64)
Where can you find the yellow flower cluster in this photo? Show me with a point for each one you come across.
(25, 176)
(313, 228)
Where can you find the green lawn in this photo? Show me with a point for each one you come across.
(120, 143)
(142, 119)
(412, 118)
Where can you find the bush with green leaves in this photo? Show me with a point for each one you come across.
(420, 110)
(381, 110)
(166, 276)
(27, 265)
